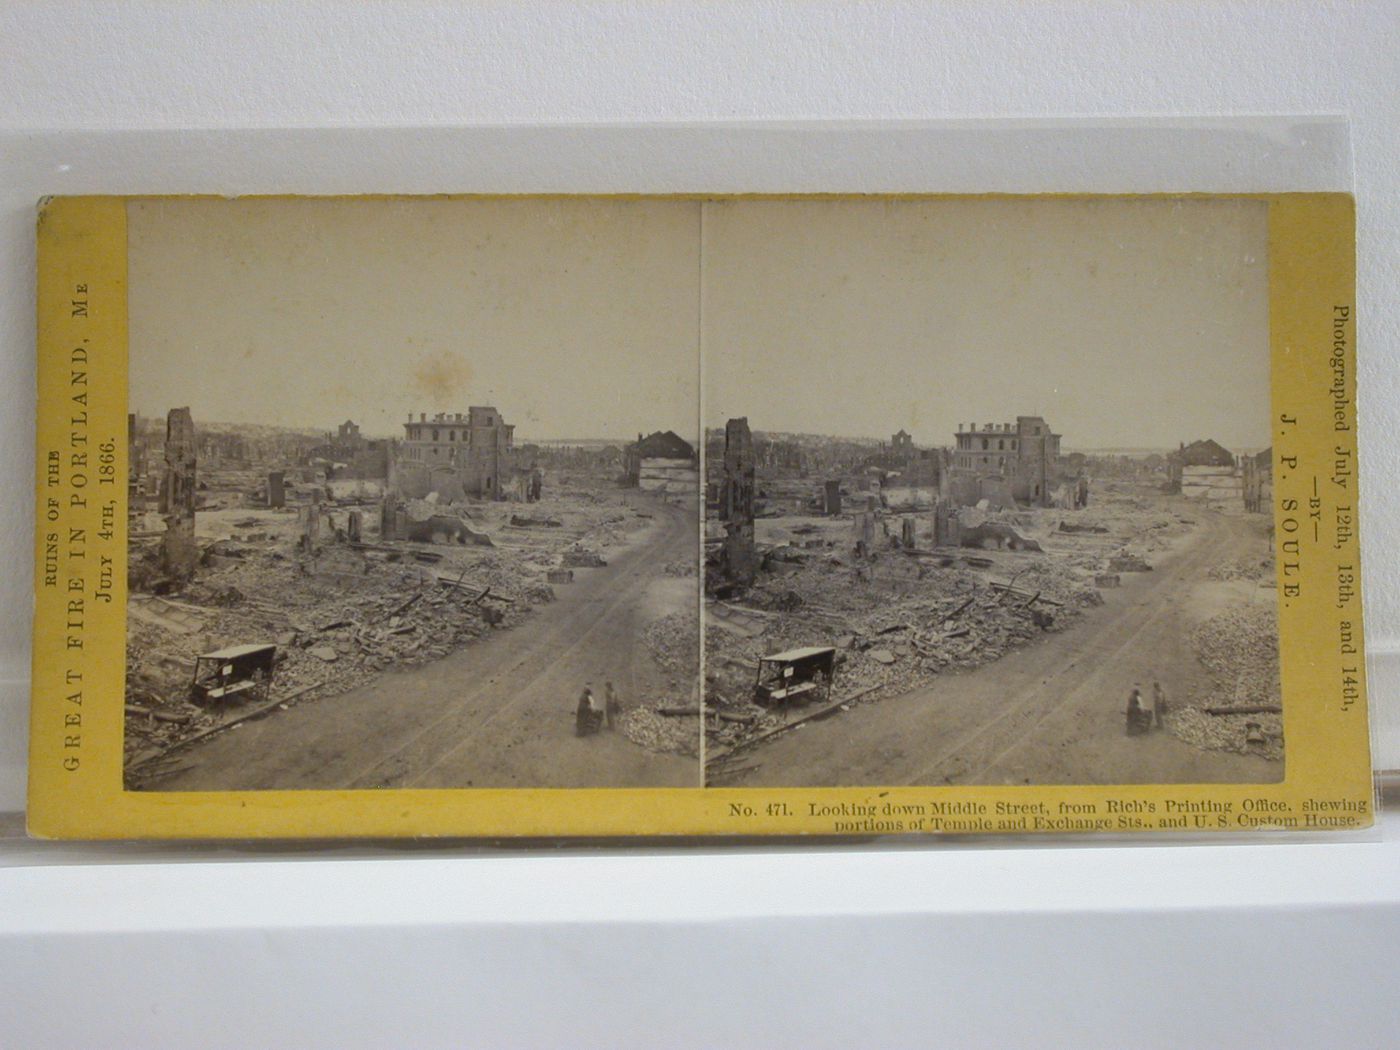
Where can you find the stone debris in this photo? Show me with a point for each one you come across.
(1243, 569)
(672, 641)
(647, 728)
(1240, 650)
(342, 612)
(1128, 562)
(904, 614)
(582, 558)
(884, 645)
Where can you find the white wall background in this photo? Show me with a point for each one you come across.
(305, 64)
(151, 66)
(145, 66)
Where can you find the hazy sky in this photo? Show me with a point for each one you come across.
(1123, 323)
(575, 318)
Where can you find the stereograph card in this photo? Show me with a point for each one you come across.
(697, 515)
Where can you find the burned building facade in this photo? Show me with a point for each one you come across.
(738, 559)
(456, 454)
(178, 553)
(1257, 475)
(348, 454)
(921, 467)
(1206, 470)
(1198, 459)
(661, 462)
(1006, 461)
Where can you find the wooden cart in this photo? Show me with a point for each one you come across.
(796, 676)
(242, 671)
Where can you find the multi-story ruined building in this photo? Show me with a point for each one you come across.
(455, 454)
(922, 467)
(349, 454)
(348, 434)
(1019, 460)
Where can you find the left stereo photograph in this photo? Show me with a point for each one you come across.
(412, 494)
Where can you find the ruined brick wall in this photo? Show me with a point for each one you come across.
(177, 496)
(736, 503)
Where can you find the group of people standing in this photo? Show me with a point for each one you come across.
(1141, 719)
(589, 717)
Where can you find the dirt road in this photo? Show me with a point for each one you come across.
(1051, 713)
(499, 713)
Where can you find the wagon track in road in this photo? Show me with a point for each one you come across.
(1049, 712)
(497, 712)
(1035, 705)
(628, 592)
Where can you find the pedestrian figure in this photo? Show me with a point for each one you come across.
(585, 717)
(1159, 704)
(613, 706)
(1138, 718)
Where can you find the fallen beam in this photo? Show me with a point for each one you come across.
(735, 770)
(821, 712)
(959, 610)
(400, 607)
(1246, 709)
(724, 716)
(256, 712)
(479, 594)
(1016, 592)
(160, 716)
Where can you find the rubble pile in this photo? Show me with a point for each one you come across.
(1240, 650)
(899, 618)
(745, 721)
(341, 615)
(648, 728)
(327, 642)
(885, 644)
(1243, 569)
(1051, 580)
(581, 557)
(672, 641)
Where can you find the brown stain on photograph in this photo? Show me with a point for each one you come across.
(440, 377)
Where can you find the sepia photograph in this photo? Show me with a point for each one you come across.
(420, 495)
(988, 493)
(413, 494)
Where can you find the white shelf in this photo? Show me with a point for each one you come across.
(1272, 943)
